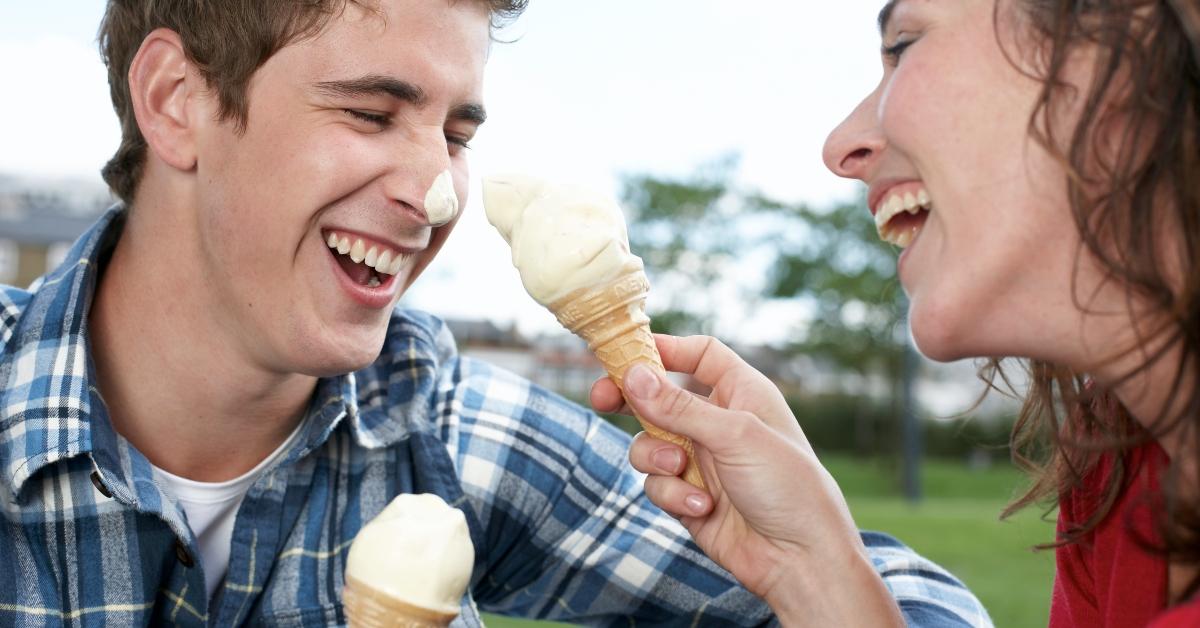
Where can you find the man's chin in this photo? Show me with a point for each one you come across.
(340, 356)
(340, 368)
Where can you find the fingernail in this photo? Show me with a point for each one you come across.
(695, 503)
(668, 459)
(640, 382)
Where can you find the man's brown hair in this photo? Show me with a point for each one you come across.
(228, 40)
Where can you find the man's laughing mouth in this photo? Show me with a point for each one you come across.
(367, 263)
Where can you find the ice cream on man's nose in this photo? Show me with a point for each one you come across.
(571, 248)
(409, 566)
(441, 202)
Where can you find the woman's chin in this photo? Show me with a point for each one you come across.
(941, 331)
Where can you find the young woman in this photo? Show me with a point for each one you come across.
(1038, 161)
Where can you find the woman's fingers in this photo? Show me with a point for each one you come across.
(735, 383)
(705, 357)
(606, 397)
(656, 457)
(661, 402)
(677, 497)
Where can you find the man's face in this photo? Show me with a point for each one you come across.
(354, 135)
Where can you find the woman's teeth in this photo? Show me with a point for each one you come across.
(384, 260)
(907, 207)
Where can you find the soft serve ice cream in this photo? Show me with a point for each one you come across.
(418, 552)
(571, 248)
(441, 202)
(563, 237)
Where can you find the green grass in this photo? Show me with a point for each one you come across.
(496, 621)
(955, 525)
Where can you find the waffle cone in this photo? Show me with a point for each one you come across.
(367, 607)
(611, 317)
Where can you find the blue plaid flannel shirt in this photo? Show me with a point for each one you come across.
(561, 527)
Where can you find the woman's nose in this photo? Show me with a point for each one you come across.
(854, 146)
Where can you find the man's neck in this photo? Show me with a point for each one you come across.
(177, 383)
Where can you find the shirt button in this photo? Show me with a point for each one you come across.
(100, 485)
(182, 554)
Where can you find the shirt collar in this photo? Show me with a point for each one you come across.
(47, 397)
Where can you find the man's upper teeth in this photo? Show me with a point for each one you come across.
(382, 259)
(358, 251)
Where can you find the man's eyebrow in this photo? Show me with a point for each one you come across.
(885, 15)
(372, 85)
(470, 112)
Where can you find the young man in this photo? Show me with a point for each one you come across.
(213, 393)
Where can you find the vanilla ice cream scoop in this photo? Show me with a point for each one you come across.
(418, 550)
(563, 237)
(571, 247)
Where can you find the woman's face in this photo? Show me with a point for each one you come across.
(955, 179)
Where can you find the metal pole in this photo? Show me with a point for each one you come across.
(910, 421)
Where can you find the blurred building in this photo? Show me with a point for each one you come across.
(558, 361)
(39, 221)
(562, 362)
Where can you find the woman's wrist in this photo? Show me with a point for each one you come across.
(837, 588)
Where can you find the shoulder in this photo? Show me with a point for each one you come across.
(1136, 471)
(13, 303)
(474, 393)
(510, 437)
(489, 398)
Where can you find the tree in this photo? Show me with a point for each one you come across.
(687, 233)
(694, 231)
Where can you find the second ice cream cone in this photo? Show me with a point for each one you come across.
(409, 566)
(370, 608)
(611, 317)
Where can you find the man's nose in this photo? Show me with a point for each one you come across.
(854, 146)
(421, 179)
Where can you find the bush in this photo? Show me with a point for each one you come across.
(869, 427)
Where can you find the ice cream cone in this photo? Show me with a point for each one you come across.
(611, 317)
(409, 566)
(371, 608)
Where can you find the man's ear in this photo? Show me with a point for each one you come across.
(160, 91)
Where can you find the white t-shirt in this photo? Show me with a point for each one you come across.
(211, 509)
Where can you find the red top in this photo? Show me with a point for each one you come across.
(1107, 579)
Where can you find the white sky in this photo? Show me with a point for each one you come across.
(589, 90)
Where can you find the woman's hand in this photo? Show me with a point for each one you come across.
(775, 518)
